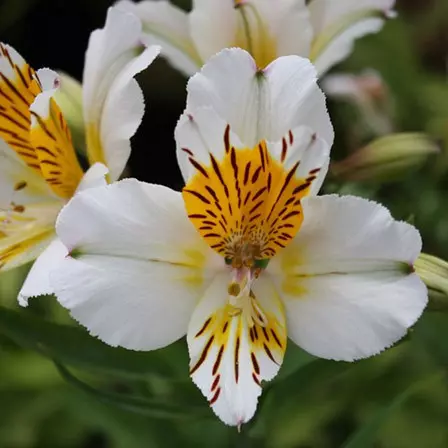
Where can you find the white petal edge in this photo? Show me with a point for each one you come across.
(37, 282)
(166, 25)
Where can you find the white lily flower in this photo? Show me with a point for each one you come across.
(39, 170)
(247, 255)
(322, 30)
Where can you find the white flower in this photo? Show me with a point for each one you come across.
(242, 259)
(39, 170)
(322, 30)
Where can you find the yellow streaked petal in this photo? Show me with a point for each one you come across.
(231, 353)
(19, 85)
(22, 247)
(52, 141)
(248, 201)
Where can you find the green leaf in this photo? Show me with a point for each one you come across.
(366, 435)
(149, 407)
(75, 347)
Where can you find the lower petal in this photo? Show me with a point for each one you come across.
(37, 282)
(136, 304)
(352, 316)
(230, 354)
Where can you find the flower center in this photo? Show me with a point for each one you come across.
(241, 298)
(247, 205)
(253, 34)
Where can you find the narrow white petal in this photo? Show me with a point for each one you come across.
(112, 60)
(229, 355)
(338, 24)
(347, 279)
(213, 26)
(166, 25)
(37, 282)
(123, 112)
(264, 104)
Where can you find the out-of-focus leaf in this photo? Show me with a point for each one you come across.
(144, 406)
(76, 347)
(366, 435)
(432, 332)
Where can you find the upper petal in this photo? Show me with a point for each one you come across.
(261, 104)
(347, 279)
(113, 101)
(338, 24)
(229, 354)
(289, 24)
(166, 25)
(136, 267)
(213, 26)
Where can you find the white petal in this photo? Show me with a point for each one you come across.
(213, 26)
(123, 112)
(289, 23)
(338, 24)
(166, 25)
(136, 304)
(94, 177)
(229, 357)
(347, 279)
(37, 282)
(136, 266)
(132, 219)
(109, 88)
(261, 104)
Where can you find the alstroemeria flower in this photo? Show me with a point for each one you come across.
(322, 30)
(245, 257)
(39, 170)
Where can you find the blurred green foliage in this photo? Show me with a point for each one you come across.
(96, 396)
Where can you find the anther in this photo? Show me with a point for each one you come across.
(234, 289)
(20, 186)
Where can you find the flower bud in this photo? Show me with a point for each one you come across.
(69, 99)
(434, 273)
(386, 158)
